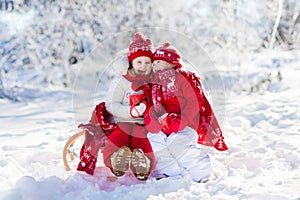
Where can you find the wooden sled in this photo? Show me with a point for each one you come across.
(71, 153)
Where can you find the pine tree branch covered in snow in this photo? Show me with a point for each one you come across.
(59, 35)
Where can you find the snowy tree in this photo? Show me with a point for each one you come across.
(59, 35)
(289, 27)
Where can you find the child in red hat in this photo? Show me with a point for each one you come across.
(186, 118)
(128, 145)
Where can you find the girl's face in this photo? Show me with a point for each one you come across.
(160, 65)
(142, 65)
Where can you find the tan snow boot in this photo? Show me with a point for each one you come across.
(140, 164)
(120, 160)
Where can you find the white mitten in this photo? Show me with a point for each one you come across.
(138, 110)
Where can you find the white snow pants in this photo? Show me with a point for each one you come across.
(178, 154)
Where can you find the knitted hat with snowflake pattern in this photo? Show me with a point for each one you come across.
(167, 53)
(140, 46)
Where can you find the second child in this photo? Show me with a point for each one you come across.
(186, 119)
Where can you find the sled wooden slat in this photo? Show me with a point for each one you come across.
(67, 152)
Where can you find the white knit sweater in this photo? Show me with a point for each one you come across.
(118, 101)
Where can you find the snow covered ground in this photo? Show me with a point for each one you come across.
(261, 129)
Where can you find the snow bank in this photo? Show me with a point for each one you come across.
(261, 128)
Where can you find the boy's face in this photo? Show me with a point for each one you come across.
(142, 65)
(159, 65)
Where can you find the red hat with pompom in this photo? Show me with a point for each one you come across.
(167, 53)
(140, 46)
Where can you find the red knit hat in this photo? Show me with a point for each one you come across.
(168, 54)
(140, 47)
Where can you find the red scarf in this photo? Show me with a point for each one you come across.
(163, 88)
(137, 81)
